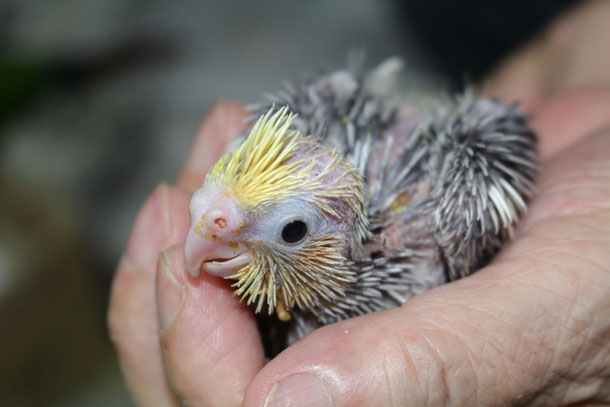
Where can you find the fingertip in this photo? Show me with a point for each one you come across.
(132, 314)
(566, 119)
(221, 124)
(412, 355)
(299, 390)
(149, 230)
(170, 289)
(209, 340)
(162, 221)
(324, 368)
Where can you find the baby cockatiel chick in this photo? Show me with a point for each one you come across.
(343, 200)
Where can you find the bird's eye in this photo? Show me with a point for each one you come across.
(294, 231)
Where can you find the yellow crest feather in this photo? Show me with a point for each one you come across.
(257, 170)
(261, 171)
(275, 162)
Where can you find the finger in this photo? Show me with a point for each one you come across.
(572, 53)
(132, 317)
(530, 329)
(211, 346)
(520, 78)
(422, 354)
(506, 336)
(564, 120)
(575, 182)
(221, 124)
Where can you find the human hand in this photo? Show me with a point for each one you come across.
(179, 338)
(533, 328)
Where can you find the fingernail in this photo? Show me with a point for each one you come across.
(170, 293)
(299, 390)
(149, 230)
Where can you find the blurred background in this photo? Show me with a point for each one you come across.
(99, 101)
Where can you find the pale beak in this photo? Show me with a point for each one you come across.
(210, 244)
(214, 257)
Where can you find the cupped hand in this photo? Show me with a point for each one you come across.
(181, 341)
(533, 328)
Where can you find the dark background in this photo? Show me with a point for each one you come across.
(99, 101)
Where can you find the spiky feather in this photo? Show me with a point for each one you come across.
(276, 278)
(265, 169)
(272, 165)
(444, 186)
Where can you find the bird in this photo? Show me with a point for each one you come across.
(344, 198)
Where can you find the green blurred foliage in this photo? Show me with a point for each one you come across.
(22, 79)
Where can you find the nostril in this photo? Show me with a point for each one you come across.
(220, 222)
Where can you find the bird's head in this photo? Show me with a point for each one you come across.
(282, 216)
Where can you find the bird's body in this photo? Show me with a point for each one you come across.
(360, 201)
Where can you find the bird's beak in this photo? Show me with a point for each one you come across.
(214, 257)
(210, 244)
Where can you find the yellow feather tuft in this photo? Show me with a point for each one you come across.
(283, 280)
(273, 163)
(257, 171)
(263, 169)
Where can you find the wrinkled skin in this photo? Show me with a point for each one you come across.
(533, 328)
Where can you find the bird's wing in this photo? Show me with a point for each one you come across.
(484, 177)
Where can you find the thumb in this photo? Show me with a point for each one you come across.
(439, 349)
(532, 328)
(512, 334)
(207, 360)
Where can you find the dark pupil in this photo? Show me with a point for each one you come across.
(294, 232)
